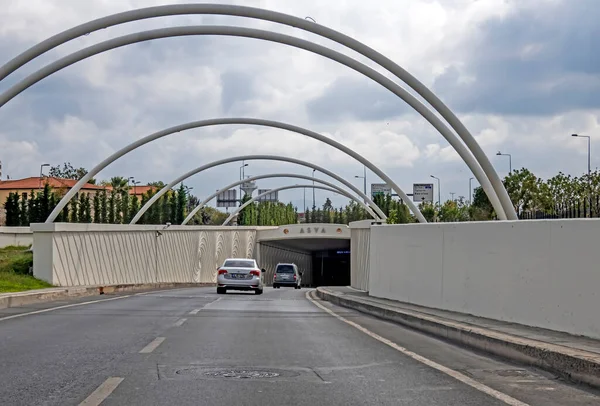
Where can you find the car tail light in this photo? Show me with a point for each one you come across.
(222, 271)
(294, 276)
(255, 273)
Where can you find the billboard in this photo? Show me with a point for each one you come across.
(227, 198)
(422, 192)
(271, 197)
(380, 188)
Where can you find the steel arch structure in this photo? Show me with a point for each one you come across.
(279, 175)
(222, 121)
(193, 172)
(376, 208)
(285, 19)
(377, 77)
(238, 209)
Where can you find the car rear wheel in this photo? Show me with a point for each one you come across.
(221, 291)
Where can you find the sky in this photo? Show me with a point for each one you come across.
(521, 75)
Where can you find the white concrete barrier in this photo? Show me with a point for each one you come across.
(543, 273)
(21, 236)
(360, 232)
(92, 254)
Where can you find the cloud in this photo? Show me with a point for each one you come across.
(522, 78)
(539, 60)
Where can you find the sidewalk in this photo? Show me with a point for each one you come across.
(14, 299)
(573, 357)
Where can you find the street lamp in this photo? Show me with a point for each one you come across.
(314, 202)
(470, 191)
(439, 188)
(589, 166)
(509, 161)
(242, 173)
(135, 183)
(589, 148)
(364, 178)
(41, 169)
(452, 195)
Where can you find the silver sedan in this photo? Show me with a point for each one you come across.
(240, 274)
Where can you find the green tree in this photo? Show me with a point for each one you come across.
(24, 211)
(74, 209)
(172, 207)
(182, 200)
(134, 207)
(124, 206)
(96, 208)
(103, 215)
(67, 171)
(112, 207)
(12, 210)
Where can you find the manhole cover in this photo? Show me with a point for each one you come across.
(236, 373)
(242, 374)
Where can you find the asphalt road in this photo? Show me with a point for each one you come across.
(194, 347)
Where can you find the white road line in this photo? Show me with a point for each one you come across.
(196, 311)
(454, 374)
(14, 316)
(152, 346)
(179, 322)
(102, 392)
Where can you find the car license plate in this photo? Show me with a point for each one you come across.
(238, 276)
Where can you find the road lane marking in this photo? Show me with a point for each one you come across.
(196, 311)
(152, 346)
(179, 322)
(102, 392)
(454, 374)
(14, 316)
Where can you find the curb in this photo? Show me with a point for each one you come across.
(575, 365)
(47, 295)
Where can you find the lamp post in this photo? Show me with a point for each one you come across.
(314, 202)
(589, 166)
(242, 173)
(470, 192)
(135, 183)
(509, 160)
(364, 178)
(452, 195)
(41, 169)
(439, 188)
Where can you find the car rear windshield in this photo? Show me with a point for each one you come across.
(285, 269)
(239, 264)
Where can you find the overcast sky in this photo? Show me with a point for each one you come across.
(522, 75)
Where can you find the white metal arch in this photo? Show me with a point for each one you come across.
(372, 204)
(279, 38)
(193, 172)
(221, 121)
(285, 19)
(238, 209)
(279, 175)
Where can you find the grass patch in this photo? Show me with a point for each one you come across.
(15, 263)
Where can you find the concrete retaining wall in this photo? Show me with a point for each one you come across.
(360, 232)
(15, 236)
(94, 254)
(542, 273)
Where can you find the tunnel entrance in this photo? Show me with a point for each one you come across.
(331, 267)
(323, 262)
